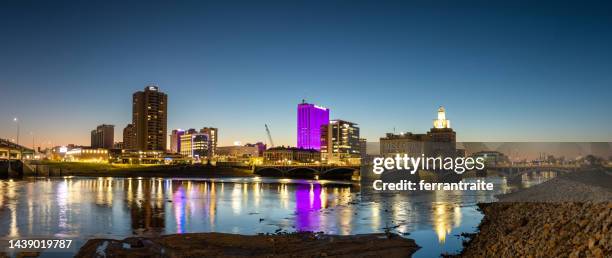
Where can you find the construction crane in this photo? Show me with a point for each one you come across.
(269, 136)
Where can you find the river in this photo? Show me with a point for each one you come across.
(81, 208)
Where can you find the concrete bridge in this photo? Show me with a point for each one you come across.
(12, 150)
(309, 171)
(11, 156)
(520, 170)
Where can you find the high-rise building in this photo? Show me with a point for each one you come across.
(195, 145)
(363, 148)
(213, 134)
(149, 117)
(103, 137)
(129, 137)
(340, 142)
(175, 140)
(309, 121)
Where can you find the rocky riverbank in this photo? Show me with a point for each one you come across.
(569, 216)
(230, 245)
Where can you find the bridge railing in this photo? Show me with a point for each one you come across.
(305, 165)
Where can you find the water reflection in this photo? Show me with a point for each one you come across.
(445, 217)
(82, 208)
(308, 202)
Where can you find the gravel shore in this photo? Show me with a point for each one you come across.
(569, 216)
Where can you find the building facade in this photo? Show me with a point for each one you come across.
(261, 147)
(363, 148)
(103, 137)
(145, 157)
(310, 118)
(442, 138)
(175, 140)
(118, 145)
(195, 146)
(403, 143)
(246, 151)
(149, 117)
(87, 155)
(129, 137)
(213, 134)
(288, 155)
(340, 143)
(439, 141)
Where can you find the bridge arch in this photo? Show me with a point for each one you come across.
(342, 173)
(302, 172)
(270, 171)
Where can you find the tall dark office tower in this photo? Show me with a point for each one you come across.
(103, 136)
(129, 137)
(150, 119)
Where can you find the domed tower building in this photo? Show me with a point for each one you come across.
(441, 122)
(442, 139)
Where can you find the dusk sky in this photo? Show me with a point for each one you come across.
(511, 71)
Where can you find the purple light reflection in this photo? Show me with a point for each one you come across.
(307, 203)
(179, 209)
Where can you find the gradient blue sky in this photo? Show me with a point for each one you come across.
(505, 71)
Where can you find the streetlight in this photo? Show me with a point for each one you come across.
(16, 120)
(17, 142)
(32, 134)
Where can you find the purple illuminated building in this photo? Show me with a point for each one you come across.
(310, 120)
(175, 140)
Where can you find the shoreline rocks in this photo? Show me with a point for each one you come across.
(543, 230)
(569, 216)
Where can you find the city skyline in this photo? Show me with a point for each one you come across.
(505, 72)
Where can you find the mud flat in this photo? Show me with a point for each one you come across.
(569, 216)
(231, 245)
